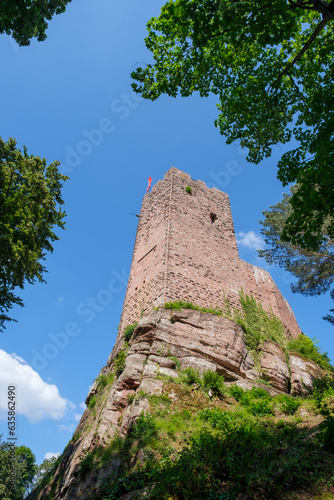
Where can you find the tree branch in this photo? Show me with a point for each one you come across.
(321, 6)
(302, 5)
(302, 97)
(9, 184)
(309, 253)
(314, 35)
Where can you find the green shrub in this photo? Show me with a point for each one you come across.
(190, 376)
(290, 405)
(261, 407)
(104, 380)
(328, 433)
(128, 332)
(239, 462)
(158, 399)
(189, 189)
(145, 425)
(216, 417)
(308, 348)
(237, 392)
(258, 392)
(86, 463)
(324, 399)
(180, 304)
(120, 363)
(185, 414)
(176, 361)
(326, 408)
(213, 381)
(122, 485)
(131, 398)
(322, 384)
(92, 403)
(257, 400)
(141, 394)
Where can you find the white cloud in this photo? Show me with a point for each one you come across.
(68, 428)
(82, 405)
(77, 417)
(50, 454)
(60, 299)
(250, 240)
(35, 398)
(18, 358)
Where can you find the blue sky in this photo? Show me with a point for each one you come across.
(69, 99)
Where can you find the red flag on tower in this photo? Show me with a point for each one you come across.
(149, 184)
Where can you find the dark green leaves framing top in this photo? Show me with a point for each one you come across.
(26, 19)
(271, 66)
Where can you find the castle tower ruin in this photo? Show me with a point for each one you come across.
(186, 249)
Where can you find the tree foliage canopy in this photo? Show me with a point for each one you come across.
(25, 467)
(46, 467)
(271, 66)
(314, 270)
(30, 206)
(28, 19)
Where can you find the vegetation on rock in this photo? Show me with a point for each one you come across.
(196, 435)
(181, 304)
(257, 324)
(104, 380)
(119, 360)
(197, 446)
(309, 349)
(260, 326)
(128, 332)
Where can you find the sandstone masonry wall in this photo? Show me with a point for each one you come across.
(186, 249)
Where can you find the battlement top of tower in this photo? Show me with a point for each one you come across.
(187, 177)
(177, 171)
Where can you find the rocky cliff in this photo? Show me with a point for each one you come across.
(164, 343)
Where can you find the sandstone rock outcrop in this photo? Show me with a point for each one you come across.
(160, 342)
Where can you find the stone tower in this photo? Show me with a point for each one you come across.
(186, 249)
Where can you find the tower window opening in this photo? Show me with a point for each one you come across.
(213, 217)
